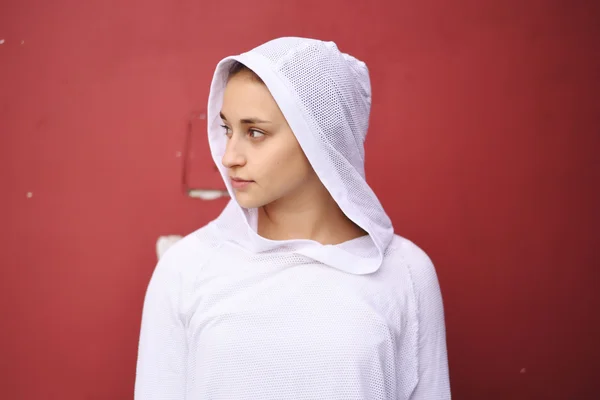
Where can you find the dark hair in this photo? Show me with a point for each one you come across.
(238, 67)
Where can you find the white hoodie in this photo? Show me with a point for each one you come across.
(231, 315)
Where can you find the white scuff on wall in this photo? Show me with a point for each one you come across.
(207, 194)
(164, 242)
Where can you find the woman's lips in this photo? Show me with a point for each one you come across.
(237, 183)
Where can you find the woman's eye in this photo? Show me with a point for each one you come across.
(254, 134)
(227, 130)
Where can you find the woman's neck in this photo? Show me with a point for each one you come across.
(310, 215)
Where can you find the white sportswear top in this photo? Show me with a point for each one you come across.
(230, 315)
(221, 324)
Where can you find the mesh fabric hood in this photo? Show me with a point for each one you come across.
(325, 96)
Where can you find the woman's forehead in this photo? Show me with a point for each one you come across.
(244, 99)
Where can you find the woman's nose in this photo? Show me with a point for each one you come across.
(233, 156)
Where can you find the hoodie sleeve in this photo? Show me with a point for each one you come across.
(162, 352)
(433, 380)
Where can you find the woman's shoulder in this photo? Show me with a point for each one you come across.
(406, 257)
(405, 249)
(191, 250)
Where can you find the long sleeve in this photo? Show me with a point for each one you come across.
(162, 352)
(433, 379)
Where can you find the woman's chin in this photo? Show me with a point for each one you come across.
(246, 200)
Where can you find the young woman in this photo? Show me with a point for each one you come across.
(300, 289)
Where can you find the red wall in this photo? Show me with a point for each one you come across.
(483, 148)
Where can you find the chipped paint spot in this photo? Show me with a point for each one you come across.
(178, 154)
(29, 195)
(22, 42)
(202, 116)
(523, 370)
(1, 41)
(207, 194)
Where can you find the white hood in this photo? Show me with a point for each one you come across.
(325, 96)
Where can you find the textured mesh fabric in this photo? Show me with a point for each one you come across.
(222, 323)
(231, 316)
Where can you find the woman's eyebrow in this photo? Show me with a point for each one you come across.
(248, 120)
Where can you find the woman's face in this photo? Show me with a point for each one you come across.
(263, 158)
